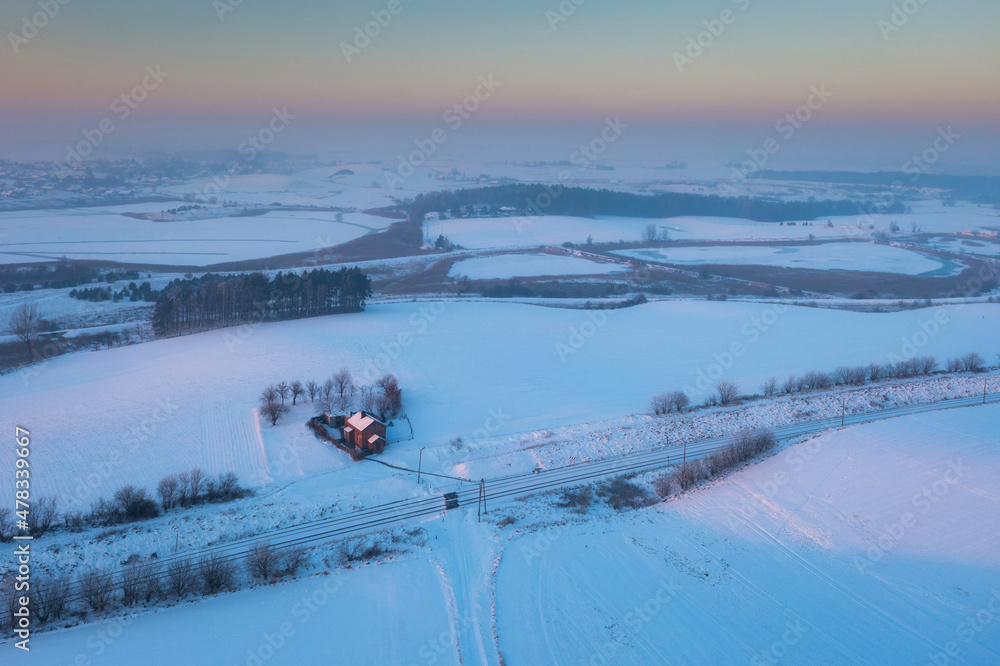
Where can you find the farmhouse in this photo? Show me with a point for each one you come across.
(365, 432)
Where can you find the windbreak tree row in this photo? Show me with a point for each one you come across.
(216, 301)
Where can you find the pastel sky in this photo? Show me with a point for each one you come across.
(607, 58)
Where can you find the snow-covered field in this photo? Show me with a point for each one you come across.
(93, 233)
(874, 544)
(528, 265)
(470, 370)
(532, 231)
(827, 256)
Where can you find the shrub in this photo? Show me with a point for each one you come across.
(97, 589)
(358, 550)
(973, 362)
(50, 598)
(664, 485)
(43, 515)
(689, 474)
(727, 392)
(293, 560)
(262, 562)
(167, 489)
(216, 573)
(181, 577)
(577, 499)
(770, 387)
(621, 494)
(134, 504)
(6, 524)
(678, 400)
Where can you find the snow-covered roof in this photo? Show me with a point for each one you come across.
(374, 438)
(361, 420)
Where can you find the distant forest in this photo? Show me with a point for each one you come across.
(978, 189)
(583, 202)
(216, 301)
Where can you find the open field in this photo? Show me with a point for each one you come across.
(529, 265)
(133, 414)
(869, 257)
(867, 545)
(98, 235)
(872, 544)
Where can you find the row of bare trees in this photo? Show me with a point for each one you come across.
(146, 581)
(727, 392)
(339, 393)
(44, 516)
(129, 503)
(745, 445)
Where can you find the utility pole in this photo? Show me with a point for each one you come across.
(481, 507)
(685, 454)
(843, 411)
(420, 463)
(984, 390)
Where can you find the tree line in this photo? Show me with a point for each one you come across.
(583, 202)
(727, 393)
(338, 394)
(215, 301)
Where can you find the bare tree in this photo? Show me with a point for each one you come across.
(284, 390)
(954, 365)
(131, 584)
(262, 562)
(328, 388)
(842, 375)
(43, 515)
(135, 504)
(181, 577)
(770, 387)
(649, 233)
(183, 481)
(25, 324)
(393, 402)
(298, 390)
(789, 385)
(661, 404)
(343, 404)
(167, 491)
(859, 375)
(50, 597)
(150, 584)
(343, 383)
(97, 589)
(679, 400)
(293, 560)
(973, 362)
(196, 481)
(217, 573)
(273, 411)
(313, 389)
(269, 394)
(369, 400)
(6, 524)
(875, 372)
(727, 391)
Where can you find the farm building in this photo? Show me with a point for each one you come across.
(365, 432)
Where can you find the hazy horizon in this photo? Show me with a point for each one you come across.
(561, 74)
